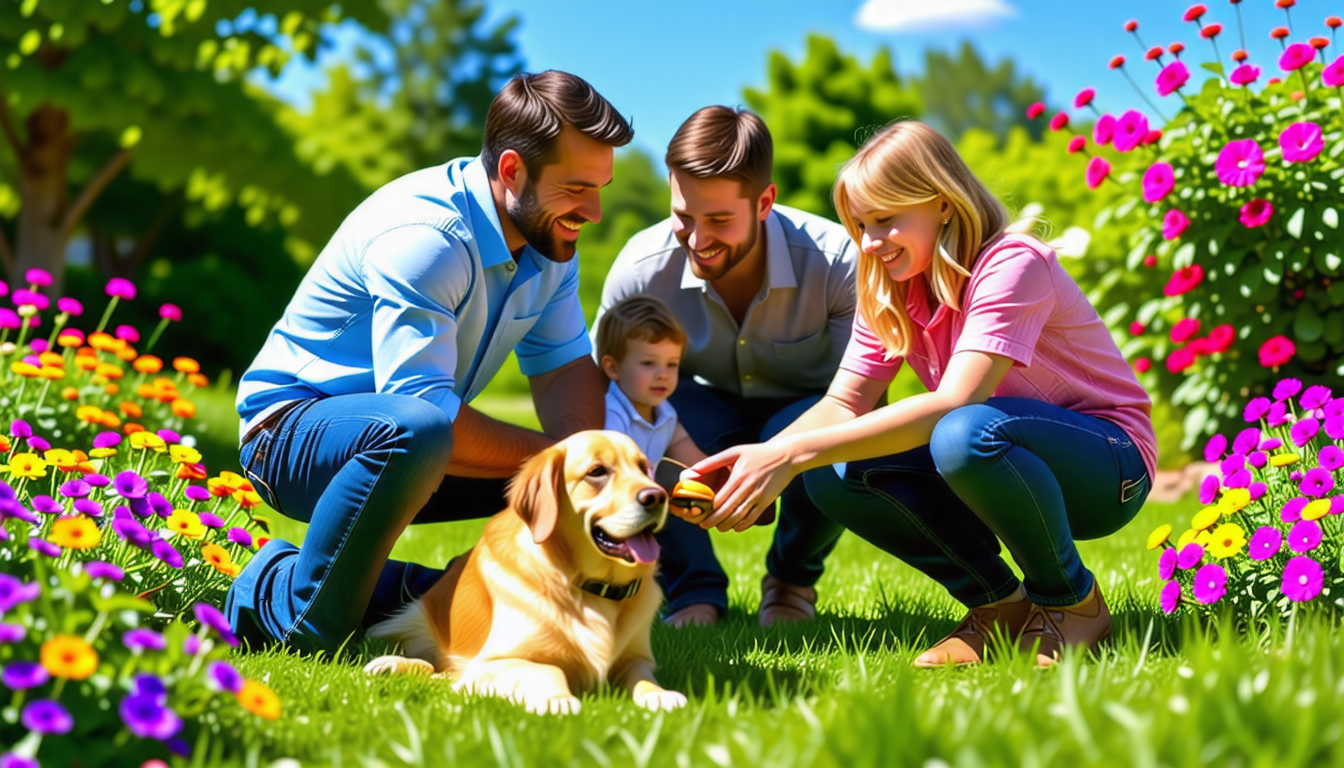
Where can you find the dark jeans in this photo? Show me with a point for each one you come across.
(689, 572)
(1033, 475)
(358, 469)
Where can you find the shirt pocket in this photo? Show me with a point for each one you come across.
(806, 349)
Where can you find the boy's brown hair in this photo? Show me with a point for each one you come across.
(722, 142)
(639, 317)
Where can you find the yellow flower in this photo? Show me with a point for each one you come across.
(259, 700)
(1205, 518)
(1283, 459)
(69, 656)
(148, 440)
(186, 523)
(247, 498)
(1159, 536)
(225, 485)
(90, 413)
(27, 465)
(75, 532)
(61, 459)
(102, 453)
(1203, 538)
(1186, 538)
(181, 454)
(27, 370)
(1316, 509)
(1227, 540)
(1235, 500)
(218, 557)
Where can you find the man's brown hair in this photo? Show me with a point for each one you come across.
(529, 111)
(639, 317)
(722, 142)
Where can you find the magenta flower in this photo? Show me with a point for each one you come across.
(1208, 489)
(1130, 130)
(97, 481)
(47, 717)
(1240, 163)
(1304, 536)
(1247, 440)
(1333, 74)
(170, 312)
(9, 319)
(44, 547)
(1330, 458)
(26, 298)
(120, 288)
(1098, 168)
(1215, 448)
(1210, 584)
(88, 507)
(1317, 482)
(211, 520)
(1166, 564)
(47, 505)
(224, 677)
(1189, 556)
(23, 675)
(1291, 511)
(191, 645)
(1104, 130)
(1287, 388)
(1171, 597)
(1302, 579)
(1256, 408)
(1304, 430)
(12, 633)
(97, 569)
(1257, 489)
(1265, 543)
(127, 333)
(1301, 142)
(1271, 443)
(1232, 463)
(1296, 56)
(75, 489)
(129, 485)
(1158, 181)
(106, 440)
(1245, 74)
(1084, 98)
(211, 617)
(1257, 459)
(1172, 77)
(38, 277)
(169, 436)
(1239, 479)
(1173, 225)
(1278, 415)
(70, 307)
(1256, 213)
(196, 493)
(1334, 428)
(129, 529)
(142, 639)
(1315, 397)
(20, 429)
(241, 537)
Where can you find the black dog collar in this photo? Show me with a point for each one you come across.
(610, 591)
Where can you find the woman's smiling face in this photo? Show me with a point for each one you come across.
(902, 237)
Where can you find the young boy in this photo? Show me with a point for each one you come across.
(639, 346)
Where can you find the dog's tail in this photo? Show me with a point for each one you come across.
(412, 629)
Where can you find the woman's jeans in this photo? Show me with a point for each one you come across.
(358, 469)
(1033, 475)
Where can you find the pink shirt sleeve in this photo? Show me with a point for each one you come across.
(1007, 304)
(866, 355)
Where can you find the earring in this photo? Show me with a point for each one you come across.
(949, 218)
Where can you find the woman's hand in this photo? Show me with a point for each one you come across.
(759, 474)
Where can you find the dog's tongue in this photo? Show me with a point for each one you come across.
(644, 547)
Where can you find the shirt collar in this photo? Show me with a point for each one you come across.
(486, 228)
(660, 414)
(778, 263)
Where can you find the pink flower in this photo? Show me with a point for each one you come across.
(1171, 597)
(1035, 110)
(1184, 280)
(1077, 144)
(1301, 142)
(1143, 365)
(1296, 56)
(1210, 584)
(1265, 543)
(1256, 409)
(1221, 338)
(1130, 130)
(70, 306)
(1302, 579)
(1172, 77)
(1104, 130)
(1084, 98)
(38, 277)
(1333, 74)
(170, 312)
(1256, 213)
(1174, 224)
(1184, 329)
(1245, 74)
(1214, 450)
(1189, 556)
(1240, 163)
(1158, 181)
(1208, 489)
(121, 288)
(1287, 388)
(1097, 171)
(1277, 350)
(127, 333)
(1059, 122)
(1180, 359)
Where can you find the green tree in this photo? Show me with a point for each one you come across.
(961, 92)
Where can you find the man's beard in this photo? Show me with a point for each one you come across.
(537, 226)
(731, 259)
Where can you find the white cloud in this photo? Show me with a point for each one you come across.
(930, 15)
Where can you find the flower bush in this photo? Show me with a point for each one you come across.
(1236, 197)
(1271, 535)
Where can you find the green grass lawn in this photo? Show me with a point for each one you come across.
(840, 690)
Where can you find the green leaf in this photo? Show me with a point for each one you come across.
(1184, 256)
(1214, 67)
(1309, 325)
(1334, 328)
(120, 601)
(1194, 423)
(1294, 226)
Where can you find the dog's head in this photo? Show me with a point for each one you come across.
(594, 493)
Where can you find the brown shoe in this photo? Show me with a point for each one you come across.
(782, 601)
(693, 615)
(1049, 630)
(966, 643)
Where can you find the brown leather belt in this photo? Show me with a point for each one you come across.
(271, 421)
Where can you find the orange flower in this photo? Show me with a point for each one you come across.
(86, 363)
(146, 391)
(186, 365)
(52, 358)
(184, 408)
(103, 342)
(226, 484)
(198, 379)
(51, 373)
(70, 657)
(127, 353)
(69, 340)
(218, 557)
(112, 389)
(86, 352)
(191, 472)
(4, 444)
(261, 541)
(131, 428)
(69, 393)
(259, 700)
(147, 364)
(130, 410)
(110, 420)
(75, 532)
(109, 371)
(247, 499)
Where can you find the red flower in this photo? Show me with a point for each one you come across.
(1153, 137)
(1131, 25)
(1278, 33)
(1117, 62)
(1319, 42)
(1277, 351)
(1333, 22)
(1150, 261)
(1084, 98)
(1176, 48)
(1136, 328)
(1184, 280)
(1240, 55)
(1076, 145)
(1180, 359)
(1284, 3)
(1211, 31)
(1275, 80)
(1184, 329)
(1194, 12)
(1035, 110)
(1153, 53)
(1059, 122)
(1221, 338)
(1142, 365)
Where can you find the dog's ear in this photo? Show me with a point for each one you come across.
(535, 492)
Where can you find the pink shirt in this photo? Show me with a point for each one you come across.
(1021, 304)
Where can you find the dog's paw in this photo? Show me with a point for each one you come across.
(397, 665)
(555, 705)
(657, 699)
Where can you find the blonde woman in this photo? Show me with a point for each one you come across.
(1034, 431)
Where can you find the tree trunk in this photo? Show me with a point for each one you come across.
(40, 239)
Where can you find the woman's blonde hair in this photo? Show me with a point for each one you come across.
(909, 163)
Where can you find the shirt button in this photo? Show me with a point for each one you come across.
(510, 266)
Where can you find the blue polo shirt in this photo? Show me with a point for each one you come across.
(417, 294)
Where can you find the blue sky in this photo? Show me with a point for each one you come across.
(660, 60)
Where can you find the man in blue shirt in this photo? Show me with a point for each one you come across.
(355, 412)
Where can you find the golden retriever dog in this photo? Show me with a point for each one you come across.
(558, 595)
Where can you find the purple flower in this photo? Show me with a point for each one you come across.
(46, 717)
(12, 633)
(1278, 415)
(20, 429)
(145, 716)
(39, 443)
(1258, 490)
(44, 547)
(22, 675)
(1296, 476)
(97, 569)
(13, 592)
(225, 677)
(47, 505)
(161, 506)
(1210, 584)
(1166, 564)
(1258, 459)
(196, 493)
(129, 485)
(169, 436)
(1247, 440)
(1271, 444)
(130, 529)
(141, 639)
(192, 645)
(241, 537)
(1208, 489)
(1317, 482)
(1158, 181)
(11, 760)
(89, 507)
(1215, 448)
(165, 553)
(97, 481)
(121, 288)
(1256, 409)
(1104, 130)
(1296, 56)
(1245, 74)
(1265, 543)
(1305, 536)
(9, 508)
(1171, 597)
(75, 489)
(1304, 430)
(211, 520)
(1302, 579)
(1301, 143)
(147, 684)
(1286, 388)
(1240, 163)
(1171, 78)
(1130, 130)
(106, 440)
(1240, 479)
(210, 616)
(1189, 556)
(1330, 457)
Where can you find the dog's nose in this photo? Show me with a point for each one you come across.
(651, 497)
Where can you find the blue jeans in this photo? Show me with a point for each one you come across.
(688, 570)
(1033, 475)
(358, 469)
